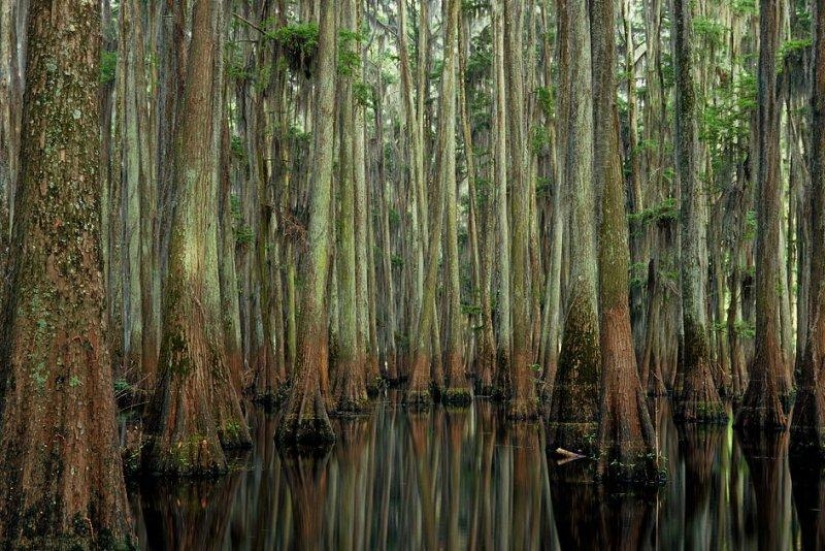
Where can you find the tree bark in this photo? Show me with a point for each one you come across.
(699, 399)
(305, 420)
(62, 483)
(762, 405)
(195, 409)
(574, 408)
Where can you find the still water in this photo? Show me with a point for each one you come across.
(467, 480)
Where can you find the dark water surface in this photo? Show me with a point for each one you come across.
(467, 480)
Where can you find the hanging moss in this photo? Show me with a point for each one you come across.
(299, 42)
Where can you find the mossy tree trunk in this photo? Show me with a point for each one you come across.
(762, 405)
(574, 408)
(349, 376)
(504, 337)
(195, 409)
(626, 439)
(523, 399)
(699, 399)
(62, 484)
(305, 420)
(457, 389)
(425, 343)
(808, 424)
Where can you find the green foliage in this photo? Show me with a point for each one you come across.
(108, 67)
(662, 213)
(349, 61)
(544, 187)
(546, 100)
(299, 42)
(710, 30)
(750, 225)
(244, 235)
(744, 7)
(745, 329)
(539, 139)
(364, 94)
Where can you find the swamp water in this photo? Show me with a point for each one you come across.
(465, 479)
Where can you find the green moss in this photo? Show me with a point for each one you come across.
(375, 386)
(700, 411)
(304, 433)
(457, 397)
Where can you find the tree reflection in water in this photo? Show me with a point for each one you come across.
(467, 479)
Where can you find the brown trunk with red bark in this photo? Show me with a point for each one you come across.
(195, 410)
(62, 484)
(762, 405)
(808, 425)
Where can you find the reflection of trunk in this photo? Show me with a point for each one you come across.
(307, 479)
(190, 516)
(766, 455)
(455, 429)
(525, 440)
(62, 483)
(424, 478)
(809, 502)
(700, 447)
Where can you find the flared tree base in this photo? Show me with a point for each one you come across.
(198, 456)
(808, 424)
(700, 404)
(457, 397)
(305, 433)
(574, 436)
(375, 386)
(523, 409)
(761, 410)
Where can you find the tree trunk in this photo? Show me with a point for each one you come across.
(457, 389)
(195, 409)
(62, 483)
(574, 409)
(349, 376)
(808, 424)
(305, 420)
(523, 399)
(626, 439)
(762, 405)
(698, 401)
